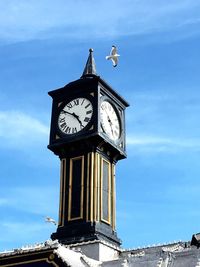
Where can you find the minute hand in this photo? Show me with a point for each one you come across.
(110, 122)
(64, 111)
(75, 116)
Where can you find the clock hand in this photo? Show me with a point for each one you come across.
(64, 111)
(77, 117)
(110, 122)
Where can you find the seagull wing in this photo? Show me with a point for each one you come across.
(113, 50)
(50, 220)
(114, 61)
(47, 219)
(113, 56)
(108, 57)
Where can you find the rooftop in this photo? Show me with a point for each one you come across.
(177, 254)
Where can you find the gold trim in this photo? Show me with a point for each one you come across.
(95, 188)
(31, 261)
(92, 188)
(97, 173)
(51, 257)
(101, 189)
(89, 215)
(113, 198)
(57, 137)
(32, 253)
(109, 191)
(62, 191)
(92, 94)
(88, 188)
(53, 263)
(64, 194)
(70, 188)
(60, 104)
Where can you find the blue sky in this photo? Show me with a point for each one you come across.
(43, 46)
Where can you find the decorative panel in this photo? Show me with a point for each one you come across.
(105, 191)
(76, 183)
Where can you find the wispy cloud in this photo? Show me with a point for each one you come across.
(161, 122)
(162, 144)
(12, 235)
(18, 129)
(26, 208)
(39, 200)
(185, 193)
(25, 20)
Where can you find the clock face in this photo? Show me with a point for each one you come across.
(75, 116)
(109, 121)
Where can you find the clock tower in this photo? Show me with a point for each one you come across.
(88, 134)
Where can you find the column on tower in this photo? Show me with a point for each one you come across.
(87, 189)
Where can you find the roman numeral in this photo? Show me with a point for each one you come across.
(82, 102)
(89, 111)
(63, 125)
(87, 106)
(86, 119)
(69, 105)
(67, 130)
(76, 102)
(116, 133)
(74, 130)
(103, 106)
(62, 120)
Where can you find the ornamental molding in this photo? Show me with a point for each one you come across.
(137, 254)
(73, 258)
(175, 248)
(164, 262)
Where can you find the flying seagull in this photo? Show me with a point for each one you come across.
(113, 56)
(50, 220)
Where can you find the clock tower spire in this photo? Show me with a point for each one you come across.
(88, 134)
(90, 67)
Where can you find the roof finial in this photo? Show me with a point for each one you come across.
(90, 67)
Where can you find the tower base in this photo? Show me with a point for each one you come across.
(98, 250)
(84, 232)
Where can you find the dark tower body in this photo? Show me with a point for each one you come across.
(88, 135)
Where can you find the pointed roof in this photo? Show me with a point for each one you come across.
(90, 67)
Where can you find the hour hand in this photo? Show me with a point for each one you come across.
(74, 115)
(77, 117)
(64, 111)
(110, 122)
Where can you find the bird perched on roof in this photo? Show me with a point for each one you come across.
(113, 56)
(50, 220)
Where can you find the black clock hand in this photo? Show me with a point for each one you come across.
(110, 122)
(64, 111)
(75, 116)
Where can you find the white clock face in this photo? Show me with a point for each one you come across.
(109, 121)
(75, 116)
